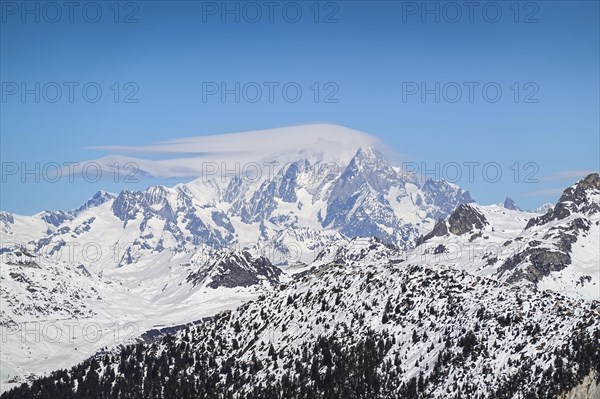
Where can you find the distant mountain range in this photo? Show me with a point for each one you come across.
(306, 201)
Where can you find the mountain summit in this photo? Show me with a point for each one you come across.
(509, 203)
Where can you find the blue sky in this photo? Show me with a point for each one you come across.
(371, 53)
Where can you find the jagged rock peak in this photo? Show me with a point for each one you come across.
(466, 218)
(368, 159)
(579, 193)
(367, 153)
(509, 203)
(582, 197)
(97, 199)
(439, 230)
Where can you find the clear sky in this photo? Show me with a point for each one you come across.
(372, 57)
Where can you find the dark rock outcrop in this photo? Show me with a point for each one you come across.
(543, 262)
(466, 219)
(235, 269)
(573, 199)
(439, 230)
(509, 203)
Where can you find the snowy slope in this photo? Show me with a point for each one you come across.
(559, 250)
(387, 330)
(55, 314)
(151, 241)
(167, 256)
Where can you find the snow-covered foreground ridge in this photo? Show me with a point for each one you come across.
(350, 331)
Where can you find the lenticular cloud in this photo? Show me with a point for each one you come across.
(186, 157)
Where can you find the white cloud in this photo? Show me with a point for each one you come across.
(324, 142)
(569, 175)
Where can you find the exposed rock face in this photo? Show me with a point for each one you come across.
(235, 269)
(439, 230)
(579, 194)
(7, 217)
(359, 204)
(509, 203)
(56, 218)
(360, 250)
(98, 199)
(175, 207)
(543, 261)
(559, 228)
(555, 251)
(153, 201)
(559, 212)
(546, 260)
(445, 196)
(466, 219)
(588, 389)
(20, 257)
(310, 199)
(577, 198)
(356, 206)
(463, 220)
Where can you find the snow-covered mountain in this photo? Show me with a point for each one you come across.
(350, 331)
(54, 313)
(358, 244)
(211, 242)
(299, 208)
(559, 250)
